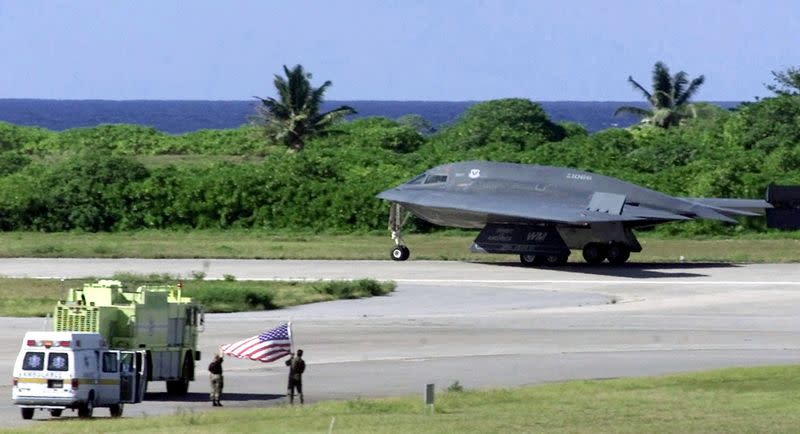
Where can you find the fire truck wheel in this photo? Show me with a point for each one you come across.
(56, 412)
(27, 413)
(116, 409)
(178, 387)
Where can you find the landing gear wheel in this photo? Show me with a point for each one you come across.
(594, 253)
(397, 218)
(116, 409)
(530, 260)
(56, 412)
(555, 260)
(618, 253)
(27, 413)
(400, 253)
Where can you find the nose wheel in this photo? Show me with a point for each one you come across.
(396, 221)
(400, 253)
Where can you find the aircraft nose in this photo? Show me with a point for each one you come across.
(390, 194)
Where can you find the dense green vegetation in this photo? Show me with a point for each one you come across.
(747, 400)
(227, 295)
(123, 177)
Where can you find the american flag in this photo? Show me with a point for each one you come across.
(266, 347)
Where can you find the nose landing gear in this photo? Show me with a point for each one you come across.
(400, 253)
(396, 221)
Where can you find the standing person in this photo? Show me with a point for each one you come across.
(215, 375)
(296, 368)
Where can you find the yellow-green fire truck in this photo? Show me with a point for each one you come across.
(156, 319)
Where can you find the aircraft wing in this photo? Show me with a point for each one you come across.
(747, 207)
(522, 207)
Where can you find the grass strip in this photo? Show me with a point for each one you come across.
(447, 245)
(41, 295)
(760, 399)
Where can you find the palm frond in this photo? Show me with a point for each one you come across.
(334, 115)
(641, 88)
(297, 87)
(315, 97)
(662, 86)
(679, 82)
(284, 91)
(691, 90)
(636, 111)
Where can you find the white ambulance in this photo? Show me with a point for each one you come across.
(71, 370)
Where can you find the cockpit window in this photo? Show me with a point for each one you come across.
(436, 179)
(418, 180)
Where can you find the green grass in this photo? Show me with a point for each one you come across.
(450, 245)
(729, 400)
(41, 295)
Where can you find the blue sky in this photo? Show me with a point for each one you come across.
(391, 50)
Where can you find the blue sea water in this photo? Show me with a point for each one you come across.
(177, 117)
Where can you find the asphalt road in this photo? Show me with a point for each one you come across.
(484, 325)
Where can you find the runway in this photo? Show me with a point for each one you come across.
(484, 325)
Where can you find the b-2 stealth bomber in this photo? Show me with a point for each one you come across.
(542, 212)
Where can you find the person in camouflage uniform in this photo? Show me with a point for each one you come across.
(215, 375)
(296, 366)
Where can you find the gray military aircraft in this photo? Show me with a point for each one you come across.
(542, 212)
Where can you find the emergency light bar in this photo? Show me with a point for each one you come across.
(48, 344)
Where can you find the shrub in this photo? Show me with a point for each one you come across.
(354, 289)
(455, 387)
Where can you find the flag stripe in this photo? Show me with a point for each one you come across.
(275, 357)
(266, 347)
(235, 346)
(272, 348)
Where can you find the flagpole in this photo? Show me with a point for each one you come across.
(291, 339)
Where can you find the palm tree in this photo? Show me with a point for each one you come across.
(294, 116)
(669, 99)
(786, 82)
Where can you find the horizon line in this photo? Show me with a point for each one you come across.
(473, 101)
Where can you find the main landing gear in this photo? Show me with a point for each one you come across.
(396, 221)
(615, 253)
(548, 260)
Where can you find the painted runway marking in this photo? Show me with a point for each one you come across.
(652, 281)
(603, 282)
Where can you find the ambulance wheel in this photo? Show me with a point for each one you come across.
(56, 412)
(27, 413)
(85, 411)
(400, 253)
(116, 409)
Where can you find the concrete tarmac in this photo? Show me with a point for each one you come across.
(483, 325)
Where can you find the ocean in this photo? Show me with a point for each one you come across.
(178, 117)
